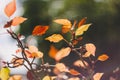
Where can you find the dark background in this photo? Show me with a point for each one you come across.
(104, 32)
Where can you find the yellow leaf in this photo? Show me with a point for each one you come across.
(74, 78)
(97, 76)
(52, 51)
(16, 77)
(54, 38)
(103, 57)
(46, 78)
(62, 53)
(18, 20)
(10, 8)
(4, 73)
(81, 29)
(65, 22)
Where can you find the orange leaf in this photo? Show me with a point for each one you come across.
(39, 30)
(82, 22)
(55, 38)
(65, 30)
(62, 53)
(52, 51)
(97, 76)
(17, 62)
(74, 72)
(18, 20)
(103, 57)
(10, 8)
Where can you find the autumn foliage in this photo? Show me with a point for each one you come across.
(26, 54)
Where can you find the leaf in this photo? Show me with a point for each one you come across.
(61, 67)
(4, 73)
(103, 57)
(10, 8)
(90, 48)
(66, 24)
(52, 51)
(16, 77)
(97, 76)
(62, 53)
(33, 52)
(40, 30)
(17, 62)
(82, 22)
(54, 38)
(74, 78)
(46, 78)
(74, 72)
(18, 20)
(79, 63)
(82, 29)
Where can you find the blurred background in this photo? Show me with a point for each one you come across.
(104, 32)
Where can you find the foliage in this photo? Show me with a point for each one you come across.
(44, 71)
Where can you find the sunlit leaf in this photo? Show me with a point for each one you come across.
(63, 22)
(82, 22)
(52, 51)
(74, 72)
(74, 78)
(66, 24)
(61, 67)
(80, 63)
(18, 20)
(82, 29)
(62, 53)
(39, 30)
(97, 76)
(16, 77)
(4, 73)
(33, 52)
(10, 8)
(103, 57)
(46, 78)
(55, 38)
(17, 62)
(90, 48)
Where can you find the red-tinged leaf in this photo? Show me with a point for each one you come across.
(74, 72)
(18, 20)
(40, 30)
(10, 8)
(82, 22)
(52, 51)
(8, 24)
